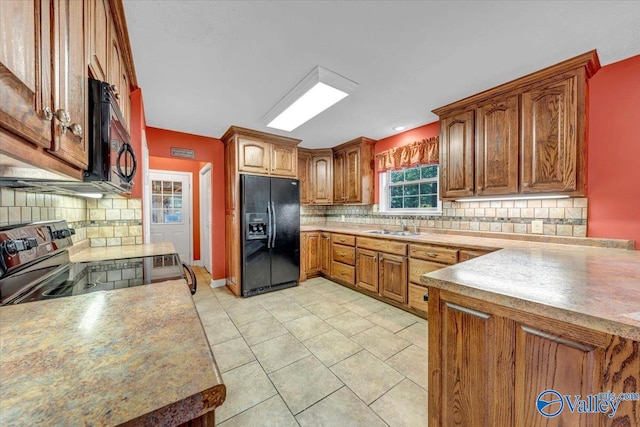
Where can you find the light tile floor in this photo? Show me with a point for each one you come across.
(318, 354)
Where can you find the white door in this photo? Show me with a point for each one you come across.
(171, 210)
(146, 191)
(205, 217)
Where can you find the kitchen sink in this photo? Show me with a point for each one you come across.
(392, 232)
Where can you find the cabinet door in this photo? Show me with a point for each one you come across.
(497, 147)
(312, 248)
(230, 179)
(338, 177)
(304, 176)
(549, 147)
(25, 75)
(232, 252)
(98, 38)
(69, 82)
(549, 362)
(352, 176)
(367, 270)
(284, 160)
(117, 76)
(253, 156)
(393, 277)
(321, 180)
(457, 155)
(471, 360)
(325, 254)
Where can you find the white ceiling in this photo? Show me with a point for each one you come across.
(206, 65)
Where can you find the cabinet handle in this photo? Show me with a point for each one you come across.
(342, 254)
(76, 129)
(342, 273)
(480, 187)
(525, 184)
(431, 255)
(47, 113)
(63, 116)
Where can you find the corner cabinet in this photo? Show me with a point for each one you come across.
(526, 136)
(304, 176)
(51, 48)
(488, 364)
(353, 172)
(258, 153)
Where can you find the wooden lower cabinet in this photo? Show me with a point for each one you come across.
(343, 272)
(312, 254)
(393, 277)
(489, 364)
(367, 270)
(325, 253)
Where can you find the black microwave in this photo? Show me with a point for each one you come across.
(112, 161)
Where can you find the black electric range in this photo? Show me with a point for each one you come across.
(35, 265)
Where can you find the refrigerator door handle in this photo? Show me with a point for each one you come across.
(275, 229)
(269, 226)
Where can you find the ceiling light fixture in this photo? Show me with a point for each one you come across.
(316, 92)
(399, 128)
(91, 195)
(524, 197)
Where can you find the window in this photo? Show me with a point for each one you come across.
(411, 190)
(166, 202)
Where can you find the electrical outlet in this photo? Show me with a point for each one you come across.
(537, 226)
(343, 219)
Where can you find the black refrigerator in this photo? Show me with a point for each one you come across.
(270, 228)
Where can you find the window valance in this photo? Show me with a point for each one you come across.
(425, 152)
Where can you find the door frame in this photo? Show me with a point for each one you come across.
(189, 177)
(206, 211)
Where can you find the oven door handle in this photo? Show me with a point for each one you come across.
(127, 151)
(190, 275)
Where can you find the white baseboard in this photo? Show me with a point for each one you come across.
(197, 263)
(218, 283)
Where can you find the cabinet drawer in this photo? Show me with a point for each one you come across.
(418, 267)
(434, 253)
(346, 273)
(387, 246)
(343, 239)
(416, 297)
(344, 254)
(467, 254)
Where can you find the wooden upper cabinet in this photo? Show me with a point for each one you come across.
(25, 74)
(230, 176)
(284, 160)
(338, 177)
(254, 156)
(69, 83)
(353, 172)
(304, 176)
(550, 154)
(98, 38)
(322, 178)
(457, 148)
(497, 140)
(530, 135)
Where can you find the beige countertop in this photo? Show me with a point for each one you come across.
(137, 355)
(580, 281)
(83, 254)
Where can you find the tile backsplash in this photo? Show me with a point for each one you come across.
(110, 221)
(560, 217)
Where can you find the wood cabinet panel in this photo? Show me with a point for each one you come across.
(232, 254)
(322, 179)
(25, 73)
(467, 254)
(284, 160)
(457, 149)
(416, 298)
(69, 82)
(253, 156)
(367, 270)
(98, 36)
(343, 239)
(622, 374)
(343, 254)
(388, 246)
(230, 176)
(343, 272)
(549, 145)
(393, 277)
(545, 361)
(434, 253)
(325, 254)
(312, 253)
(304, 176)
(339, 165)
(352, 175)
(497, 141)
(418, 267)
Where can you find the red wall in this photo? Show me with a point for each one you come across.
(614, 152)
(407, 137)
(206, 150)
